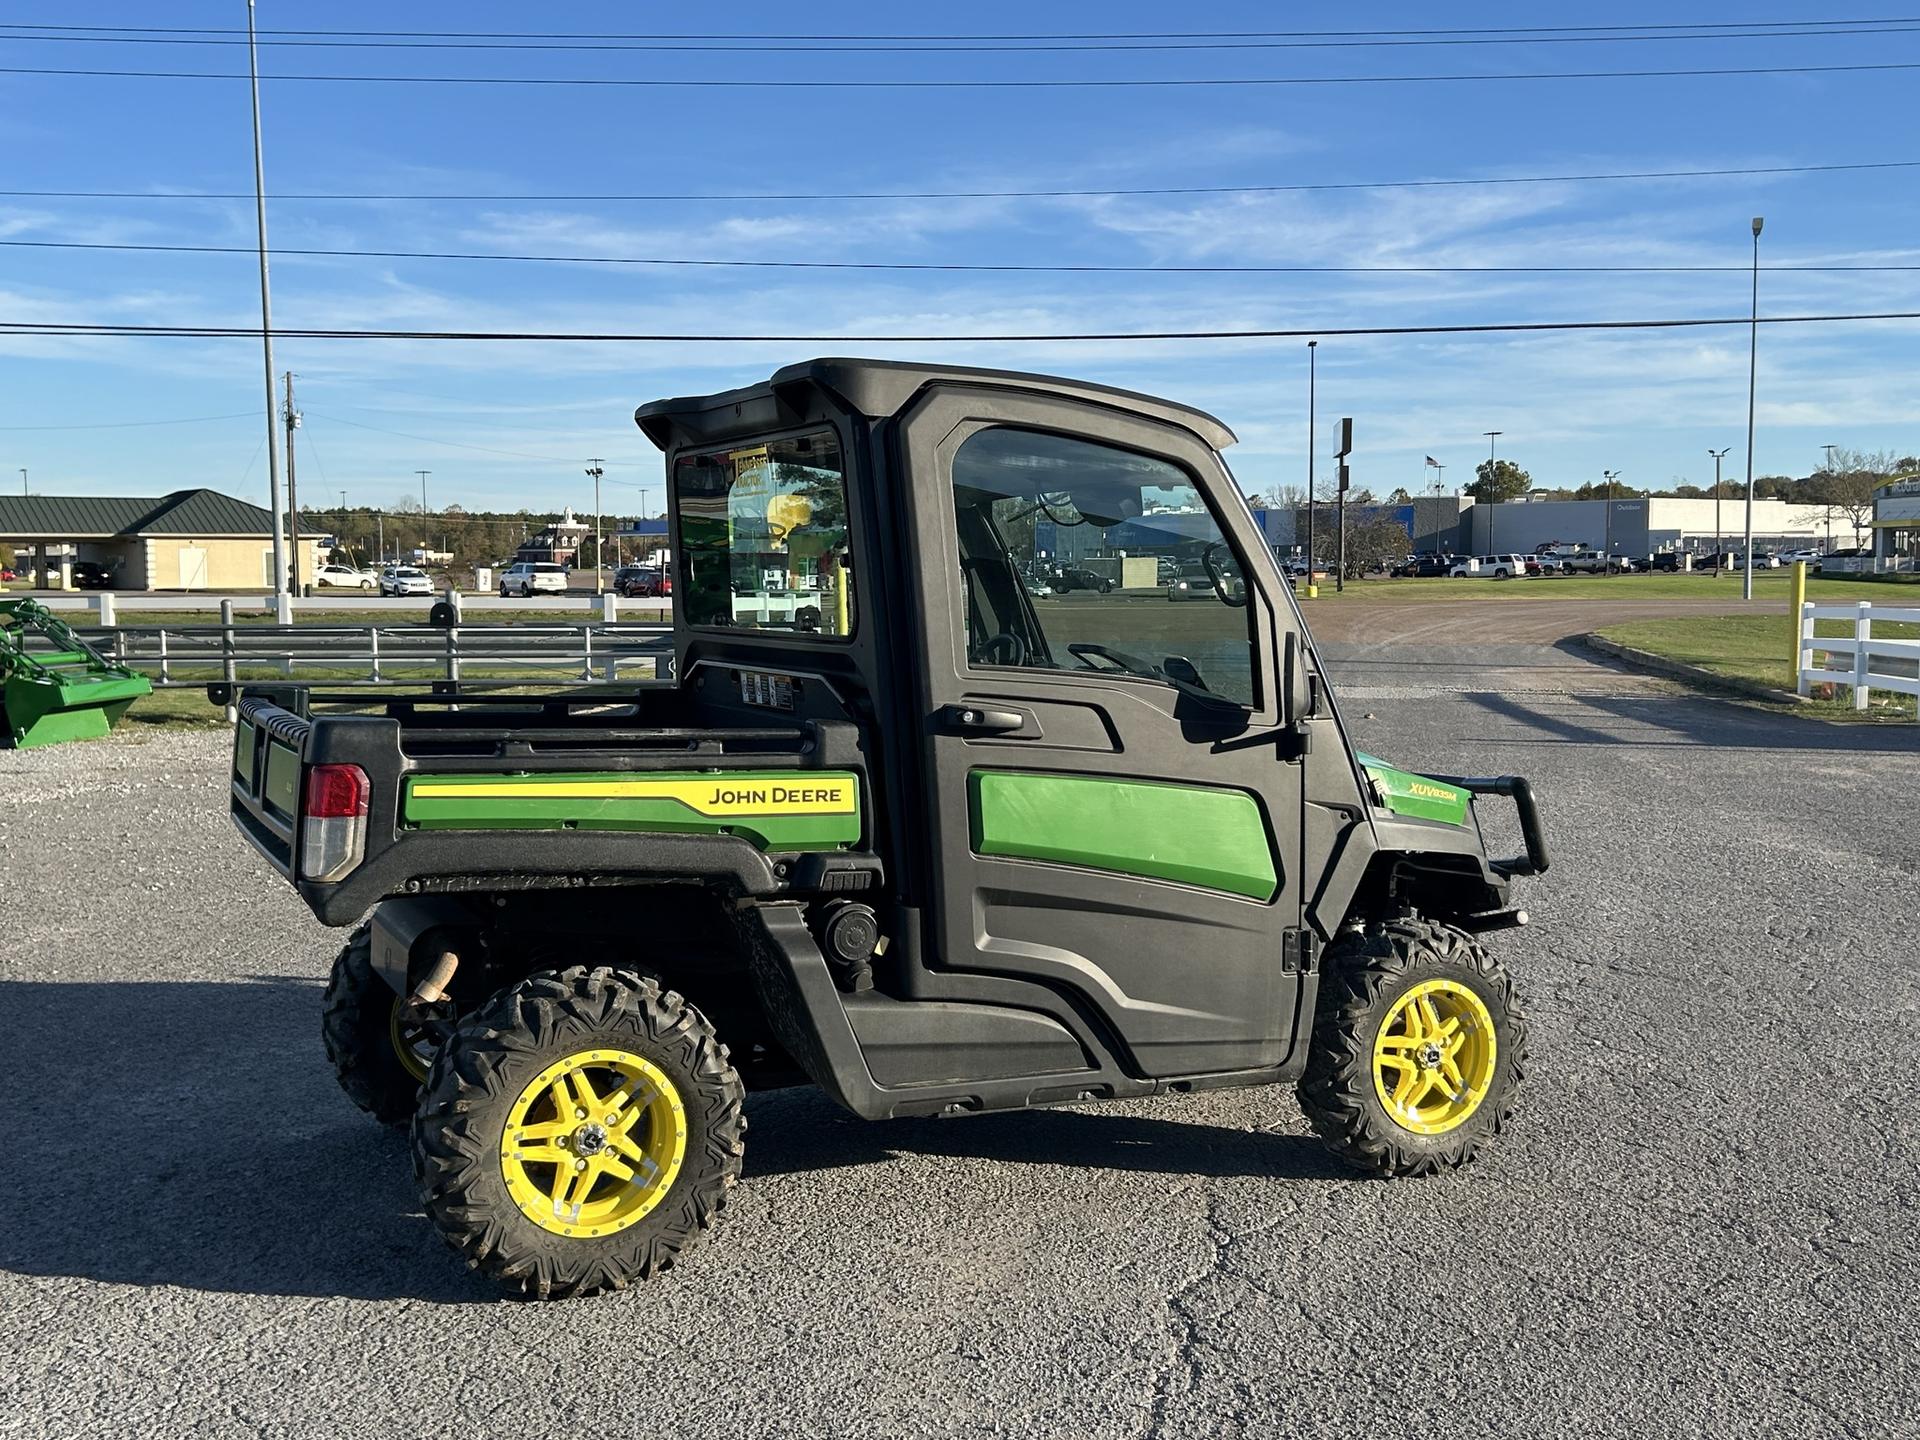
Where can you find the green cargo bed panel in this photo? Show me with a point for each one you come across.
(777, 810)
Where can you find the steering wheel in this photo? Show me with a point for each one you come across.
(1087, 652)
(1014, 646)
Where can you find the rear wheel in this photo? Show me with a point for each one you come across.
(378, 1055)
(1418, 1049)
(579, 1132)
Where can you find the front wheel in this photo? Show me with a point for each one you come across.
(579, 1132)
(1418, 1049)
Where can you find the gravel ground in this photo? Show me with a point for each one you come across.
(1702, 1223)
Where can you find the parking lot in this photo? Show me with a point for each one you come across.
(1702, 1222)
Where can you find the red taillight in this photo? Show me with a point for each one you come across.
(336, 792)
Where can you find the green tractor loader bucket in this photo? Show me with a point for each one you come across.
(53, 685)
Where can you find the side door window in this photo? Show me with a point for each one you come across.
(1077, 555)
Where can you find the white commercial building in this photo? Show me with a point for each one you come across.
(1644, 526)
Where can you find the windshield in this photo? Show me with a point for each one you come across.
(763, 536)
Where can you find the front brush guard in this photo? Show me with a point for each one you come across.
(1535, 861)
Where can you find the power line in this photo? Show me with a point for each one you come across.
(451, 444)
(858, 45)
(1581, 178)
(949, 266)
(681, 83)
(1703, 25)
(137, 424)
(50, 327)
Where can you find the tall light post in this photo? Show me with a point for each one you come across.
(1753, 362)
(1313, 376)
(595, 469)
(1492, 435)
(1718, 543)
(23, 480)
(1611, 476)
(1829, 449)
(423, 492)
(266, 322)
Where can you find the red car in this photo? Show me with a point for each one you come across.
(642, 581)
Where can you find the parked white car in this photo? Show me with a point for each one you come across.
(1807, 555)
(533, 577)
(345, 577)
(405, 580)
(1499, 567)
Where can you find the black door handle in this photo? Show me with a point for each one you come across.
(979, 720)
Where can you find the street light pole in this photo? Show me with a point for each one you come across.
(1611, 476)
(423, 495)
(1312, 382)
(1753, 361)
(596, 468)
(1718, 543)
(1492, 435)
(23, 480)
(266, 320)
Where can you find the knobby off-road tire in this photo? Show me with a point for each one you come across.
(493, 1102)
(358, 1022)
(1371, 1014)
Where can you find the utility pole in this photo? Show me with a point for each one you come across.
(1312, 378)
(1753, 361)
(423, 498)
(23, 480)
(596, 468)
(293, 494)
(380, 536)
(266, 319)
(1718, 543)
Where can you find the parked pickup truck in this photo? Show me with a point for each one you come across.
(1590, 562)
(912, 838)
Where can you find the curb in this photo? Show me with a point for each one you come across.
(1692, 674)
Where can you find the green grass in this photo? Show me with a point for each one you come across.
(1757, 648)
(1768, 585)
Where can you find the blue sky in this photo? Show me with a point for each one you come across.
(505, 425)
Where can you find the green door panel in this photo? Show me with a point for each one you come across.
(1404, 793)
(776, 809)
(1195, 835)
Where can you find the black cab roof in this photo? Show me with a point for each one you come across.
(878, 389)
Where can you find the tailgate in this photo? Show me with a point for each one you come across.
(268, 743)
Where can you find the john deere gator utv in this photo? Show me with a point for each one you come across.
(896, 827)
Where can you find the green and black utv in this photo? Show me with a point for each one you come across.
(902, 824)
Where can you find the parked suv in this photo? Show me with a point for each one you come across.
(528, 577)
(1500, 567)
(405, 580)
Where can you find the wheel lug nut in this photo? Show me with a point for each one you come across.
(579, 1114)
(613, 1119)
(579, 1164)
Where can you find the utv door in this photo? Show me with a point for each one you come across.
(1111, 810)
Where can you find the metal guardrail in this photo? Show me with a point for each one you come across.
(1862, 651)
(597, 653)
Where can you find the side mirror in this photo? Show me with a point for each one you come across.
(1294, 680)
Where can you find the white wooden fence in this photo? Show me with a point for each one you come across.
(1868, 661)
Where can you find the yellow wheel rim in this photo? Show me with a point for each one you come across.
(1433, 1058)
(410, 1043)
(593, 1143)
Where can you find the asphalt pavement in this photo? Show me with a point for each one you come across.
(1702, 1223)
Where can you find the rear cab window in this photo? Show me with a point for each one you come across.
(763, 537)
